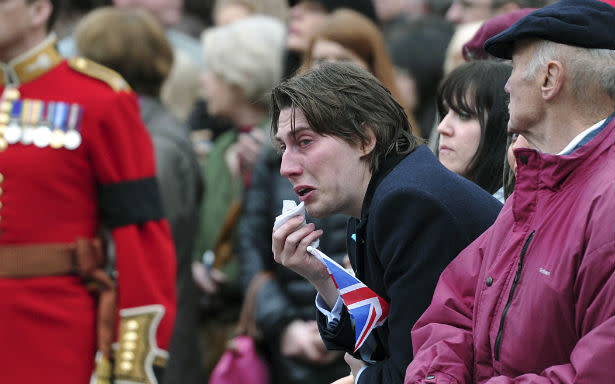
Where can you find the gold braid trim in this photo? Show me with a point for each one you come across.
(100, 72)
(137, 349)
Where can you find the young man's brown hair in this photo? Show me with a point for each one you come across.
(343, 100)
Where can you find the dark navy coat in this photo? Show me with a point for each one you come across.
(416, 217)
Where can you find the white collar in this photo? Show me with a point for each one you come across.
(580, 137)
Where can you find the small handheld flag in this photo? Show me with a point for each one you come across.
(366, 308)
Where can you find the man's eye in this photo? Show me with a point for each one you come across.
(304, 142)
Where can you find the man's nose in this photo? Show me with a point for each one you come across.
(289, 166)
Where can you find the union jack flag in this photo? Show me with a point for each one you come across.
(366, 308)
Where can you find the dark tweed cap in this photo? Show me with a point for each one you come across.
(582, 23)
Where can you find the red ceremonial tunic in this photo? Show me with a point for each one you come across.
(56, 195)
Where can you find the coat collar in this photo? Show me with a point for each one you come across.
(552, 170)
(386, 166)
(31, 64)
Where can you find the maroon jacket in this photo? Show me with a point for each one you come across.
(532, 299)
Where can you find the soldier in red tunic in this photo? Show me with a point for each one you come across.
(75, 158)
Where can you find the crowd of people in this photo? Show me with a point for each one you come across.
(454, 156)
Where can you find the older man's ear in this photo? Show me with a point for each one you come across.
(553, 81)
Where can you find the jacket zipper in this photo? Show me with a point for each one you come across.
(498, 339)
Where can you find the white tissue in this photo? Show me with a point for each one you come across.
(291, 209)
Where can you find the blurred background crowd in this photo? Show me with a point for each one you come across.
(202, 70)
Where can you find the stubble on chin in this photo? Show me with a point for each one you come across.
(315, 212)
(312, 212)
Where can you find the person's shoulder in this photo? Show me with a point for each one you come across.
(423, 179)
(160, 120)
(418, 169)
(98, 74)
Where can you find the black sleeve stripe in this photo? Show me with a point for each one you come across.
(130, 202)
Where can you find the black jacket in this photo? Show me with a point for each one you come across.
(416, 217)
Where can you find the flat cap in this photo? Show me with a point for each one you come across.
(582, 23)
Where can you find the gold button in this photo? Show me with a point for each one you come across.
(127, 355)
(125, 366)
(0, 205)
(131, 336)
(1, 177)
(129, 345)
(0, 191)
(4, 118)
(2, 129)
(132, 325)
(3, 144)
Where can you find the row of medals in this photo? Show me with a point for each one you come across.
(22, 121)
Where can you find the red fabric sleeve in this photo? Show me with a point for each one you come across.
(121, 150)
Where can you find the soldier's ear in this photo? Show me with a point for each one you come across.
(40, 12)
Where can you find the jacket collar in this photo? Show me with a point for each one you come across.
(31, 64)
(551, 171)
(386, 166)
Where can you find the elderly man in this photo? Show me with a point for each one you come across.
(531, 300)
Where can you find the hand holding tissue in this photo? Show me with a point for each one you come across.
(366, 308)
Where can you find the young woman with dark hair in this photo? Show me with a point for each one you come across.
(472, 106)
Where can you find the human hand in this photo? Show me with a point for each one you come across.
(289, 246)
(354, 364)
(326, 356)
(207, 280)
(301, 339)
(249, 147)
